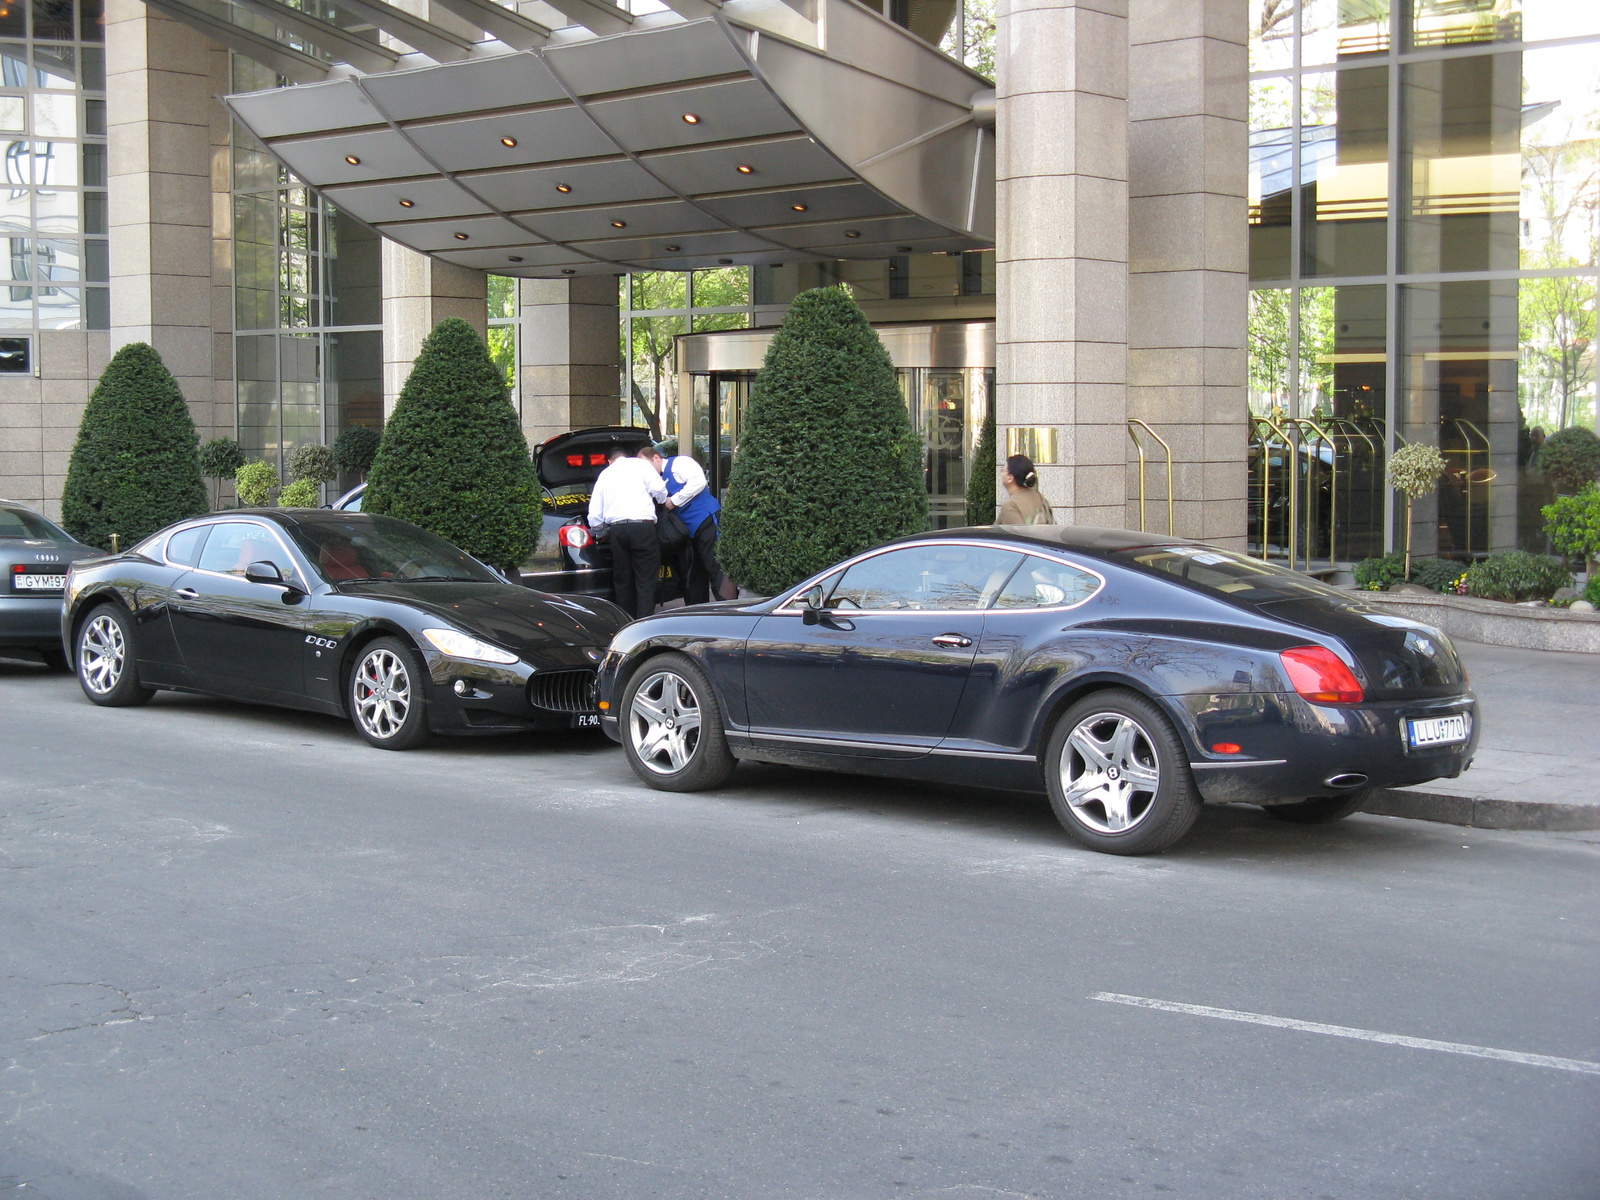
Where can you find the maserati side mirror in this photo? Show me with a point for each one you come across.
(264, 572)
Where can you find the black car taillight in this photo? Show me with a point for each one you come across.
(575, 537)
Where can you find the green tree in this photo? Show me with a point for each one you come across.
(453, 458)
(255, 482)
(354, 450)
(1570, 458)
(981, 482)
(219, 459)
(136, 465)
(312, 461)
(828, 463)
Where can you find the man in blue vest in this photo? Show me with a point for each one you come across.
(691, 499)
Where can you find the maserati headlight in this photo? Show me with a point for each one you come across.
(458, 645)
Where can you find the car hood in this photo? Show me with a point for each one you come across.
(526, 622)
(38, 553)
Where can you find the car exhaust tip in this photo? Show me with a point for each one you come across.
(1348, 780)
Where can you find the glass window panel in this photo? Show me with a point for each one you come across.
(660, 289)
(353, 259)
(55, 212)
(13, 114)
(94, 212)
(94, 165)
(94, 118)
(14, 65)
(16, 308)
(977, 273)
(97, 308)
(654, 379)
(1342, 369)
(17, 260)
(1465, 22)
(1462, 163)
(1041, 583)
(253, 167)
(16, 210)
(1344, 171)
(52, 19)
(725, 287)
(353, 392)
(1271, 177)
(255, 369)
(55, 115)
(56, 260)
(1271, 34)
(93, 62)
(709, 322)
(1560, 170)
(776, 284)
(92, 20)
(502, 342)
(18, 162)
(1339, 30)
(1556, 369)
(502, 291)
(13, 20)
(924, 577)
(1267, 336)
(56, 67)
(55, 164)
(1459, 393)
(255, 262)
(60, 308)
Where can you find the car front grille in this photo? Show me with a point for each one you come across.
(563, 691)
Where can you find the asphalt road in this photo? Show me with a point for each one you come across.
(244, 955)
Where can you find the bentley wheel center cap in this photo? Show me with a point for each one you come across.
(670, 724)
(1112, 772)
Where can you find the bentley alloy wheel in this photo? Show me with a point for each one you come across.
(1118, 776)
(386, 697)
(673, 727)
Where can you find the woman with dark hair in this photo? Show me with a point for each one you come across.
(1024, 505)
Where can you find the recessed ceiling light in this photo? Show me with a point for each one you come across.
(674, 248)
(619, 224)
(852, 233)
(461, 237)
(568, 271)
(352, 160)
(690, 119)
(745, 169)
(563, 187)
(508, 141)
(408, 204)
(513, 258)
(798, 207)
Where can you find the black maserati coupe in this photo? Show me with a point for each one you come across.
(345, 613)
(1132, 677)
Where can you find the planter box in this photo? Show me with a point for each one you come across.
(1497, 623)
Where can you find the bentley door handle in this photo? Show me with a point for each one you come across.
(187, 594)
(952, 639)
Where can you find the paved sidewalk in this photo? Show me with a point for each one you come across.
(1538, 759)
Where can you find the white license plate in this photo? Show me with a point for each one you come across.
(1437, 731)
(39, 583)
(586, 721)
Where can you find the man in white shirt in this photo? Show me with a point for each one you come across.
(622, 508)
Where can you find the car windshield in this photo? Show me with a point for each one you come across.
(1227, 573)
(20, 523)
(363, 549)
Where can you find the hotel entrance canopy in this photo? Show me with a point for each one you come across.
(727, 133)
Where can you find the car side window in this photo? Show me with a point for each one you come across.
(925, 578)
(234, 545)
(1042, 583)
(183, 547)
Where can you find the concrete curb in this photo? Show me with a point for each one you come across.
(1484, 813)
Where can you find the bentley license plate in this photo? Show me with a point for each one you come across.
(586, 721)
(1437, 731)
(39, 583)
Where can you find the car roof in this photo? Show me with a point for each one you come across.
(1086, 539)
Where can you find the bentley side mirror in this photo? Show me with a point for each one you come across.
(811, 610)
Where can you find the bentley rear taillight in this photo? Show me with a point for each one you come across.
(1321, 676)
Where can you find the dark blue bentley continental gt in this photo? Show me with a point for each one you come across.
(1132, 677)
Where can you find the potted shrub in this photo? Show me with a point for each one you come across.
(1414, 471)
(311, 466)
(1570, 458)
(219, 459)
(255, 482)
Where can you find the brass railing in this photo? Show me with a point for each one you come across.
(1260, 429)
(1313, 463)
(1462, 427)
(1139, 446)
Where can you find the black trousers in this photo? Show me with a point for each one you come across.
(698, 563)
(635, 566)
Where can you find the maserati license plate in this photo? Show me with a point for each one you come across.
(39, 583)
(586, 721)
(1437, 731)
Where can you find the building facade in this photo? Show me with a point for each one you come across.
(1208, 261)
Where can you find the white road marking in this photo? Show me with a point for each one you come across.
(1346, 1031)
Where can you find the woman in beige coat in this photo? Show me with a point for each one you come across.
(1024, 505)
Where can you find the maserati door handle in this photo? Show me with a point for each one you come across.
(187, 594)
(952, 639)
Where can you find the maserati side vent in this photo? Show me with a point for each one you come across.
(563, 691)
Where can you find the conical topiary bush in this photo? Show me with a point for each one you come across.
(453, 458)
(981, 483)
(828, 464)
(136, 465)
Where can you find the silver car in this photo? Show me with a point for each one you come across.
(34, 556)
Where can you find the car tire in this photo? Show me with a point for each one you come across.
(1319, 810)
(388, 695)
(1118, 776)
(672, 729)
(104, 661)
